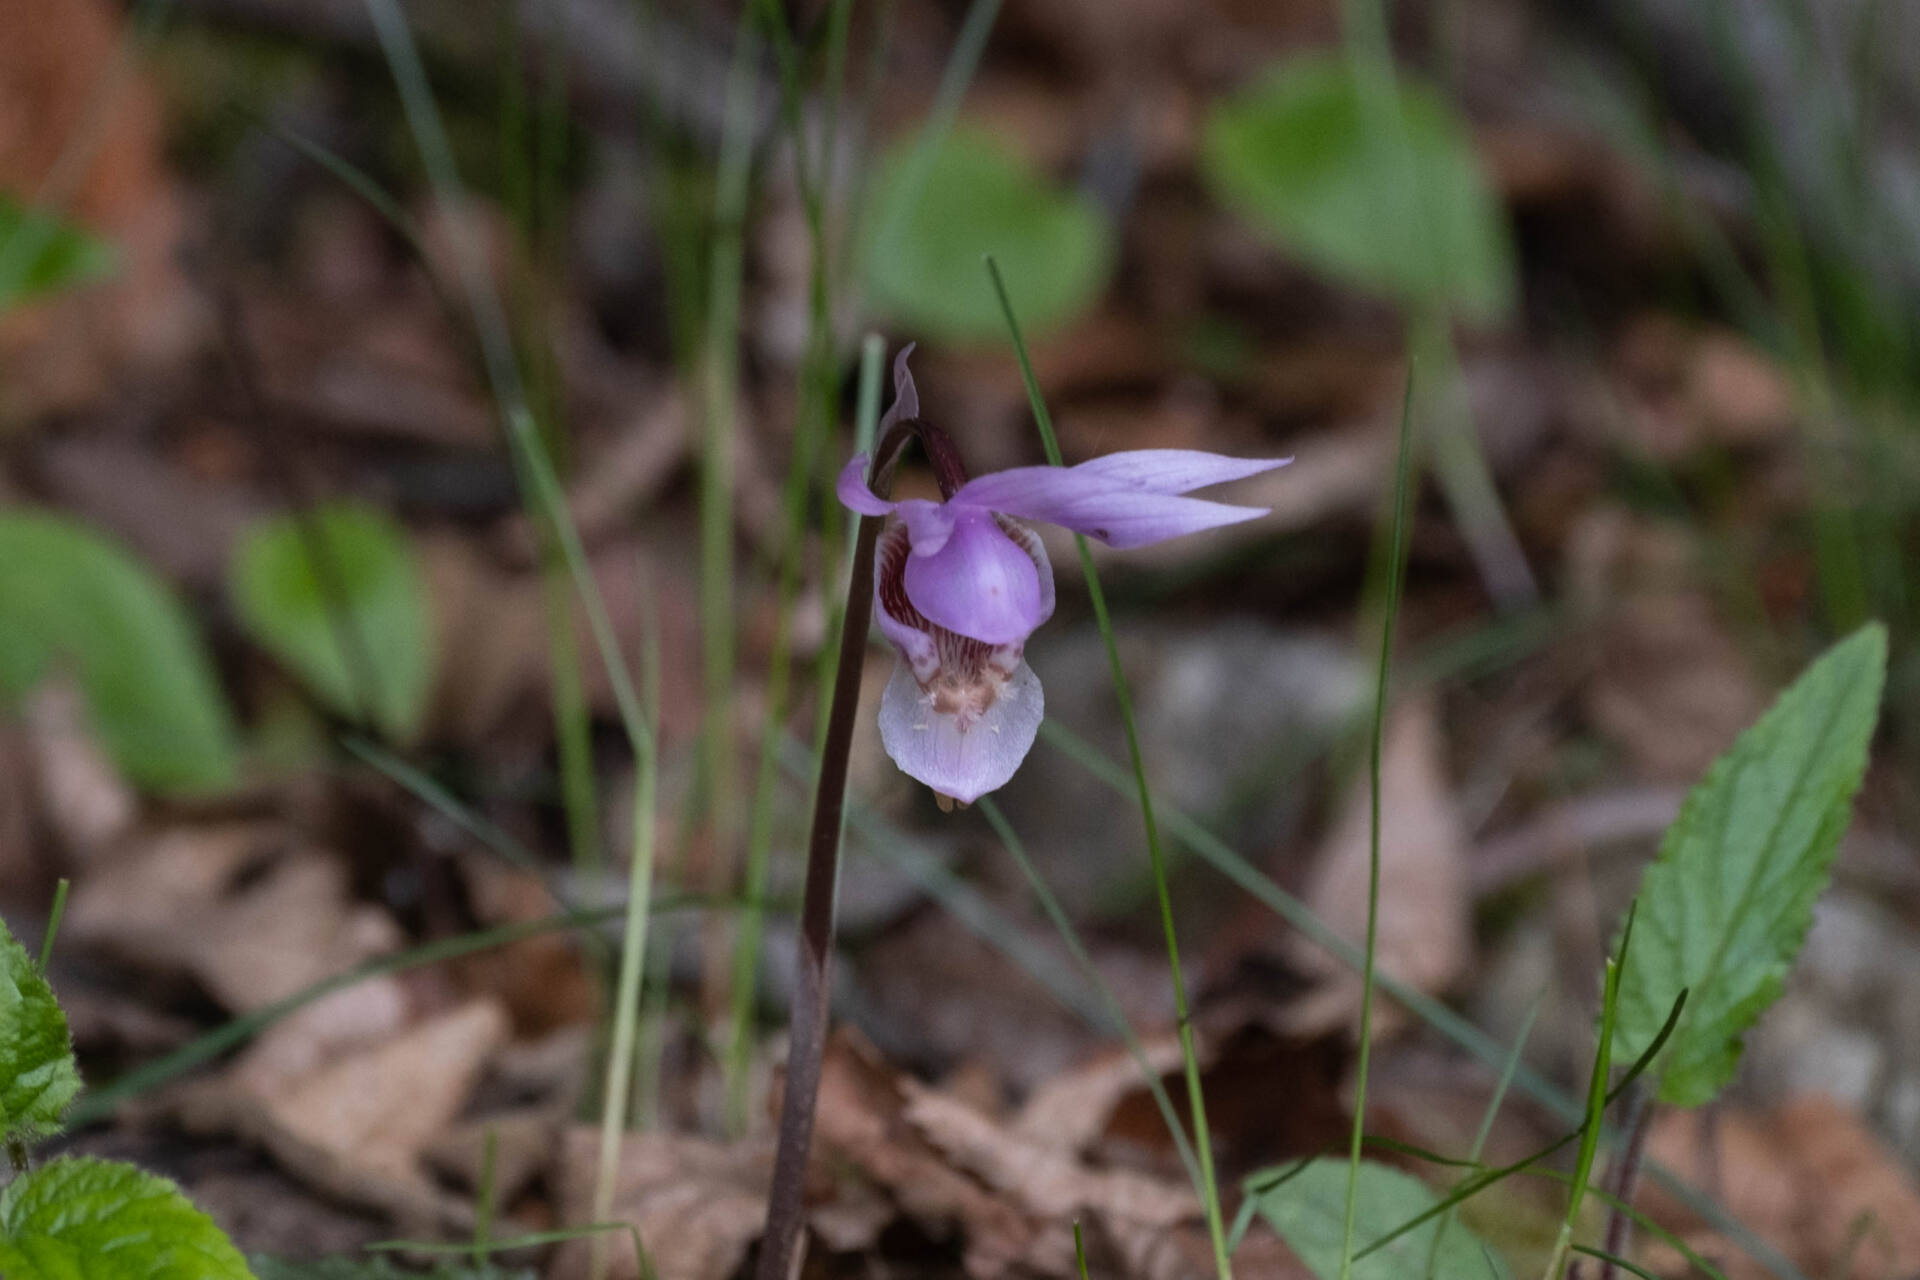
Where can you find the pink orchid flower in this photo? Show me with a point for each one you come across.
(959, 585)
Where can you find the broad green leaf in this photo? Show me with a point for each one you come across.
(1724, 908)
(78, 1218)
(934, 216)
(1373, 183)
(355, 628)
(71, 601)
(377, 1267)
(1308, 1210)
(37, 1075)
(40, 253)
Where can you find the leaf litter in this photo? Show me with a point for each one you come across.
(989, 1121)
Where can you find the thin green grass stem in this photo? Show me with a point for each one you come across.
(1596, 1102)
(531, 1240)
(719, 403)
(967, 905)
(1196, 1101)
(496, 346)
(529, 172)
(819, 376)
(1396, 551)
(616, 1102)
(1449, 1024)
(54, 912)
(1116, 1015)
(98, 1104)
(1485, 1130)
(485, 1195)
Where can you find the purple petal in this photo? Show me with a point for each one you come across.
(1174, 470)
(961, 756)
(1029, 541)
(1116, 514)
(978, 584)
(906, 400)
(929, 523)
(853, 490)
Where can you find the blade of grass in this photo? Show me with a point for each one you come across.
(423, 787)
(58, 909)
(483, 303)
(719, 390)
(819, 376)
(1615, 1260)
(1117, 1017)
(633, 953)
(1486, 1127)
(883, 841)
(1256, 883)
(484, 1196)
(1203, 1146)
(532, 1240)
(1596, 1102)
(1396, 551)
(98, 1104)
(1694, 1259)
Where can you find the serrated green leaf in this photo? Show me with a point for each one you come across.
(375, 1268)
(78, 1218)
(1308, 1210)
(1400, 207)
(37, 1073)
(302, 618)
(933, 218)
(40, 253)
(1723, 909)
(73, 601)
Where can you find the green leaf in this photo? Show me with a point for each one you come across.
(78, 1218)
(1393, 201)
(934, 216)
(375, 1268)
(40, 254)
(358, 630)
(1724, 908)
(1308, 1210)
(72, 601)
(37, 1075)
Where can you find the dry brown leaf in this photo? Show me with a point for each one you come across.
(356, 1127)
(1049, 1182)
(83, 798)
(1013, 1193)
(253, 922)
(1424, 935)
(1069, 1112)
(1807, 1175)
(861, 1118)
(81, 129)
(1672, 687)
(1686, 388)
(697, 1204)
(381, 1108)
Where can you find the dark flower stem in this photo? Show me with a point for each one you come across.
(780, 1253)
(1626, 1177)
